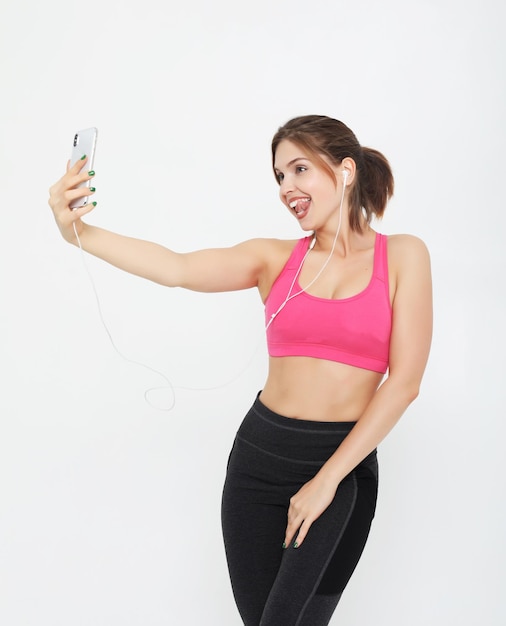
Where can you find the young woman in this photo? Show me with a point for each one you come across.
(343, 305)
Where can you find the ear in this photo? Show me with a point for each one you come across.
(349, 166)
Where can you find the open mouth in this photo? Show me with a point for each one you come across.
(300, 206)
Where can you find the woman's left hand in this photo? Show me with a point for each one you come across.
(306, 506)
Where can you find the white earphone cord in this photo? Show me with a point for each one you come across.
(170, 386)
(290, 296)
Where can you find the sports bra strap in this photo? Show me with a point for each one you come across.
(380, 269)
(298, 253)
(380, 258)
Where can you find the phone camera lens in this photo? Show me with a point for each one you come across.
(76, 140)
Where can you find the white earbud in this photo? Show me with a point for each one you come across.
(345, 176)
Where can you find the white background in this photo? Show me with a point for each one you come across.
(109, 509)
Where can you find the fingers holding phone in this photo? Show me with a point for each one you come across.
(70, 197)
(84, 145)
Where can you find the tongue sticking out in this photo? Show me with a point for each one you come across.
(302, 206)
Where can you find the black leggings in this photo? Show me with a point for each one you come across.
(272, 457)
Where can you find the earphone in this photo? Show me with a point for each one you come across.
(345, 176)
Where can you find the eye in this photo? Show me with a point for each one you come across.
(279, 177)
(300, 169)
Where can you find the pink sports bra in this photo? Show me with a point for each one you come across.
(354, 331)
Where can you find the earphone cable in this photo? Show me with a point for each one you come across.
(290, 296)
(169, 384)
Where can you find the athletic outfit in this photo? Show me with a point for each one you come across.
(355, 330)
(273, 456)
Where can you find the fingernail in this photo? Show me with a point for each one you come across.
(295, 545)
(83, 157)
(284, 545)
(92, 189)
(91, 173)
(94, 203)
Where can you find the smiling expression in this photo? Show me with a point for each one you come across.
(305, 188)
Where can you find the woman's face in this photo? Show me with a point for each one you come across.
(305, 188)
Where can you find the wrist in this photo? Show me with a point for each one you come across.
(328, 477)
(77, 233)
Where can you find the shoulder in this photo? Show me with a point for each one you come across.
(270, 244)
(272, 255)
(408, 262)
(269, 250)
(406, 249)
(406, 244)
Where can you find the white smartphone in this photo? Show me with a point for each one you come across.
(85, 142)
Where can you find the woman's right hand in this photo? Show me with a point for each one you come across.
(63, 192)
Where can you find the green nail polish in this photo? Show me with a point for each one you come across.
(92, 189)
(83, 157)
(91, 173)
(94, 203)
(295, 545)
(284, 545)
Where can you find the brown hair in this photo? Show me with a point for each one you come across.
(320, 135)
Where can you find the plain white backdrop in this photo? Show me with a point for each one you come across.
(110, 509)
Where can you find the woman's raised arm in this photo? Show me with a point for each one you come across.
(220, 269)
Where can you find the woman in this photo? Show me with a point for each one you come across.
(343, 305)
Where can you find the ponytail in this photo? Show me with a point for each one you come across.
(322, 135)
(372, 189)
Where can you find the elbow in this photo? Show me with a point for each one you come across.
(406, 390)
(412, 392)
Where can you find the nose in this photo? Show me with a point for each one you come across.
(285, 186)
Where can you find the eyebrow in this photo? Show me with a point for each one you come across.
(292, 162)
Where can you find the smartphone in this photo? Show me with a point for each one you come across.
(85, 142)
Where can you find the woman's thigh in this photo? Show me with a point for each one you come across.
(272, 458)
(312, 578)
(254, 522)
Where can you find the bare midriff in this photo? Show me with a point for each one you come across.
(316, 389)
